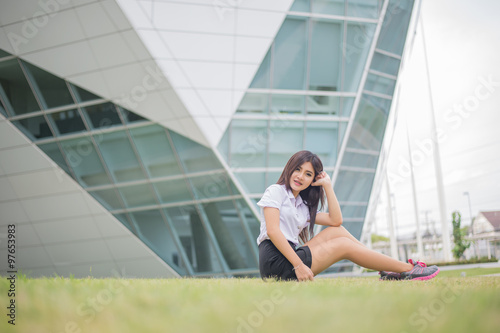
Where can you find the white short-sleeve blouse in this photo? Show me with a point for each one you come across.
(294, 214)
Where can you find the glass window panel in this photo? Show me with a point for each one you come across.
(108, 198)
(354, 186)
(358, 41)
(68, 121)
(53, 89)
(273, 176)
(254, 103)
(173, 191)
(263, 76)
(342, 129)
(125, 220)
(34, 127)
(290, 53)
(211, 186)
(353, 211)
(232, 188)
(15, 91)
(252, 182)
(83, 95)
(194, 238)
(355, 228)
(342, 132)
(53, 151)
(252, 222)
(380, 84)
(155, 233)
(364, 8)
(359, 160)
(3, 53)
(155, 151)
(331, 7)
(346, 106)
(2, 109)
(138, 195)
(323, 105)
(385, 64)
(369, 125)
(395, 26)
(194, 157)
(82, 157)
(102, 115)
(131, 117)
(326, 56)
(230, 235)
(119, 156)
(254, 201)
(301, 6)
(321, 139)
(223, 146)
(248, 143)
(286, 138)
(287, 104)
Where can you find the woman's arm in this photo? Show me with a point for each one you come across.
(272, 218)
(334, 215)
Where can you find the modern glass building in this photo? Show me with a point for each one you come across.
(137, 136)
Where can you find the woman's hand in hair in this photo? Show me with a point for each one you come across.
(322, 179)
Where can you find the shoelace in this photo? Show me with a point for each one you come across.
(419, 263)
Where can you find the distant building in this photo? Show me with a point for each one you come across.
(486, 222)
(485, 236)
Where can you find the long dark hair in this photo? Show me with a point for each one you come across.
(311, 195)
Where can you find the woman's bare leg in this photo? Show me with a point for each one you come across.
(326, 253)
(331, 233)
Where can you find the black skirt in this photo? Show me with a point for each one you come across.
(273, 264)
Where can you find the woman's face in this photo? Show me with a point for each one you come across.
(301, 178)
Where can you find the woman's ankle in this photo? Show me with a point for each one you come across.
(410, 267)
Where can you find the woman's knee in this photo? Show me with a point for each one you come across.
(335, 232)
(339, 245)
(328, 252)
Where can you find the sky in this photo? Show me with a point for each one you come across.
(462, 39)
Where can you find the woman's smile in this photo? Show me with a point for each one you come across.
(301, 178)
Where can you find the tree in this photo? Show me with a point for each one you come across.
(458, 236)
(379, 238)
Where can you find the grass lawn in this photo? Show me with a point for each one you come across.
(448, 303)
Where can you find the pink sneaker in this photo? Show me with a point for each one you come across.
(384, 275)
(420, 271)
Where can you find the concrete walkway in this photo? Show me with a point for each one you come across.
(468, 266)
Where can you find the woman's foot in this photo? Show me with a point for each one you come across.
(384, 275)
(420, 271)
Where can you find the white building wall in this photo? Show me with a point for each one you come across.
(209, 50)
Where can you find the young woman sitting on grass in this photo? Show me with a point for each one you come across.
(289, 211)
